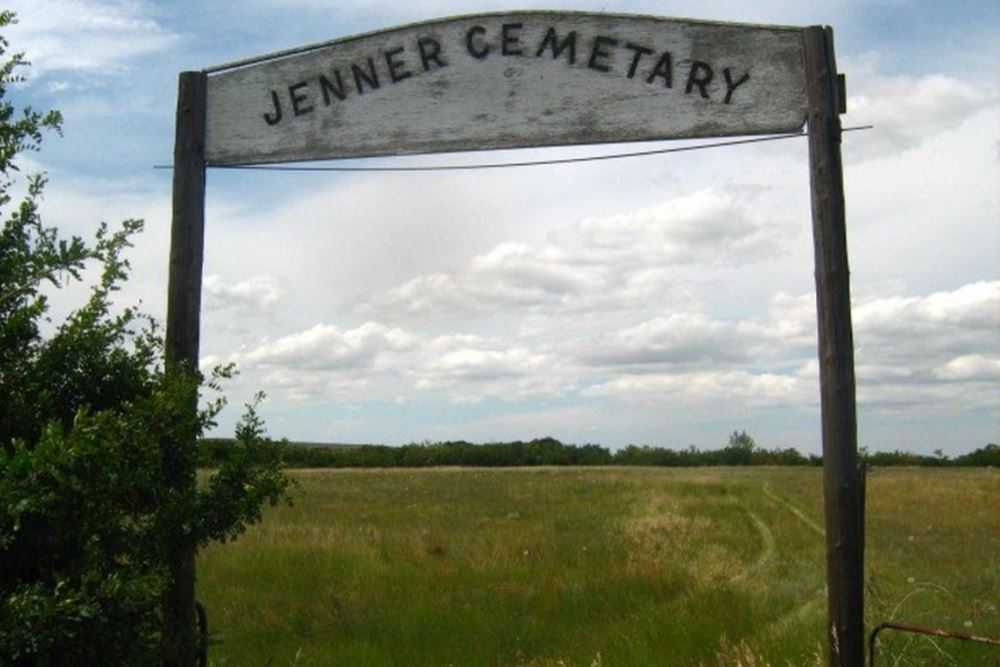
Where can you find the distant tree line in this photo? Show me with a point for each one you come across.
(741, 451)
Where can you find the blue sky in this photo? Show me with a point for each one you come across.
(663, 300)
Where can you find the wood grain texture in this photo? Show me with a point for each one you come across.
(181, 343)
(187, 224)
(842, 488)
(509, 80)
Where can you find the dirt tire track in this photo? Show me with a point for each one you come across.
(768, 547)
(784, 622)
(812, 525)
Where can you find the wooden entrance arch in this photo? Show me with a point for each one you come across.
(534, 79)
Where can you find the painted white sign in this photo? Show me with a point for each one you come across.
(505, 81)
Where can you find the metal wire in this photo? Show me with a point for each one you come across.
(526, 163)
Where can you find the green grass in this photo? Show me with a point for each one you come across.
(583, 567)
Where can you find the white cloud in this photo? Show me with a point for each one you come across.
(933, 354)
(328, 348)
(706, 226)
(599, 263)
(675, 339)
(916, 355)
(469, 369)
(790, 321)
(324, 361)
(619, 305)
(918, 330)
(93, 36)
(460, 358)
(719, 387)
(908, 110)
(920, 401)
(906, 357)
(259, 294)
(511, 275)
(297, 386)
(970, 367)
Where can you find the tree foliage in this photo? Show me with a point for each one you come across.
(87, 410)
(543, 451)
(213, 452)
(984, 456)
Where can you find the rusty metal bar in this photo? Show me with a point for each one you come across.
(920, 630)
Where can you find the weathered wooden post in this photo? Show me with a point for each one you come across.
(182, 337)
(841, 487)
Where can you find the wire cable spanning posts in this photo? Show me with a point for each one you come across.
(525, 163)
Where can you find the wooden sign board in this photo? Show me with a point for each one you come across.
(507, 80)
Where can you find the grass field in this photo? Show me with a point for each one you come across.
(609, 567)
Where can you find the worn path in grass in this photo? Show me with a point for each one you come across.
(811, 600)
(799, 514)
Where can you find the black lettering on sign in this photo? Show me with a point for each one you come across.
(362, 77)
(551, 41)
(598, 53)
(730, 86)
(638, 52)
(700, 75)
(477, 49)
(510, 39)
(329, 88)
(275, 118)
(430, 52)
(397, 68)
(297, 99)
(664, 69)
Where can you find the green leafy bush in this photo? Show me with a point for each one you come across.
(87, 412)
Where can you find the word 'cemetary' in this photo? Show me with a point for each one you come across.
(501, 81)
(534, 79)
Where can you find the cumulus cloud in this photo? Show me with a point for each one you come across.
(461, 358)
(913, 353)
(929, 354)
(93, 36)
(259, 294)
(744, 387)
(907, 110)
(325, 361)
(916, 355)
(325, 347)
(599, 263)
(675, 339)
(708, 225)
(469, 369)
(511, 275)
(910, 329)
(970, 367)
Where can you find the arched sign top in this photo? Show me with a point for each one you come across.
(508, 80)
